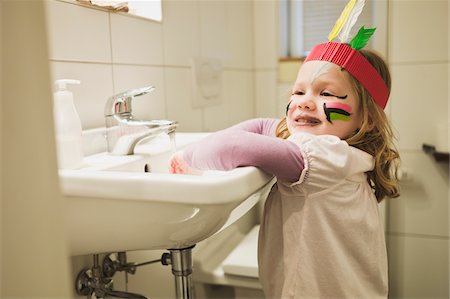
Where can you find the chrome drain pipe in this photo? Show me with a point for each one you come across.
(181, 262)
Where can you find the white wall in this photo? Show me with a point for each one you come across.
(418, 231)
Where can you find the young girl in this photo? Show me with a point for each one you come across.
(321, 235)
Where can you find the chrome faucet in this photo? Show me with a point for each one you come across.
(123, 132)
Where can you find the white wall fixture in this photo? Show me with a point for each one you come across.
(207, 82)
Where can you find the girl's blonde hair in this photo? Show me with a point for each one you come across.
(374, 137)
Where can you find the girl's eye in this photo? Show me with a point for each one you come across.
(298, 93)
(327, 94)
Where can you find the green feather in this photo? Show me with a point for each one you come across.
(362, 38)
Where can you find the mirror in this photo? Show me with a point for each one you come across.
(148, 9)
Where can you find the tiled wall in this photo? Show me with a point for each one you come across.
(112, 52)
(418, 225)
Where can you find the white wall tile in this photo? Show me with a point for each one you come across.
(380, 19)
(180, 32)
(418, 267)
(237, 105)
(284, 94)
(418, 31)
(419, 101)
(179, 100)
(213, 29)
(73, 39)
(240, 94)
(217, 117)
(136, 40)
(149, 106)
(266, 94)
(91, 95)
(423, 205)
(265, 30)
(239, 34)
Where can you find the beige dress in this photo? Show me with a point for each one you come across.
(322, 237)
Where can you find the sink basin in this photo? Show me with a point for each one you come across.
(123, 203)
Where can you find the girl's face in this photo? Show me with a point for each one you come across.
(323, 101)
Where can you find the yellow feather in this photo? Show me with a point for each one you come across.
(342, 19)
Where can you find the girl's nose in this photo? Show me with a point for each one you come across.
(305, 102)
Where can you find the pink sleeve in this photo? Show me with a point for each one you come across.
(250, 143)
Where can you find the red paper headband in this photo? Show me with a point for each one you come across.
(355, 63)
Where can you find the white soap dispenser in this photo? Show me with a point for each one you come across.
(67, 127)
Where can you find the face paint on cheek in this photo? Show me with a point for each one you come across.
(337, 111)
(287, 107)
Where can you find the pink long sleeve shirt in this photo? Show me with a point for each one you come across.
(250, 143)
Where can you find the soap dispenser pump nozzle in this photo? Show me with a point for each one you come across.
(61, 84)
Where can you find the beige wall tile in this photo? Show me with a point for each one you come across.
(180, 32)
(418, 31)
(284, 93)
(216, 117)
(266, 93)
(239, 34)
(265, 31)
(418, 267)
(154, 281)
(237, 104)
(240, 94)
(71, 39)
(135, 40)
(91, 95)
(423, 205)
(179, 100)
(212, 20)
(418, 102)
(149, 106)
(379, 41)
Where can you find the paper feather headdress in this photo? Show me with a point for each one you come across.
(345, 53)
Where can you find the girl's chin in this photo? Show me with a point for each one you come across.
(304, 129)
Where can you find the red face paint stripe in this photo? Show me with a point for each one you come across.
(338, 105)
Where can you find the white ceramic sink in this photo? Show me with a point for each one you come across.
(114, 205)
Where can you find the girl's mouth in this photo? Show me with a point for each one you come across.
(306, 121)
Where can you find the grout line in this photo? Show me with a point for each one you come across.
(79, 61)
(111, 52)
(164, 70)
(418, 62)
(253, 75)
(187, 67)
(414, 235)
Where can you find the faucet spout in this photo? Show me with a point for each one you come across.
(123, 132)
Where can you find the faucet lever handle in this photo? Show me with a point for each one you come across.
(121, 102)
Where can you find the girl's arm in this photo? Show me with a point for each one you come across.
(251, 143)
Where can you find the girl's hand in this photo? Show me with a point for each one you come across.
(178, 165)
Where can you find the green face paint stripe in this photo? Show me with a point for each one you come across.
(337, 116)
(335, 112)
(339, 111)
